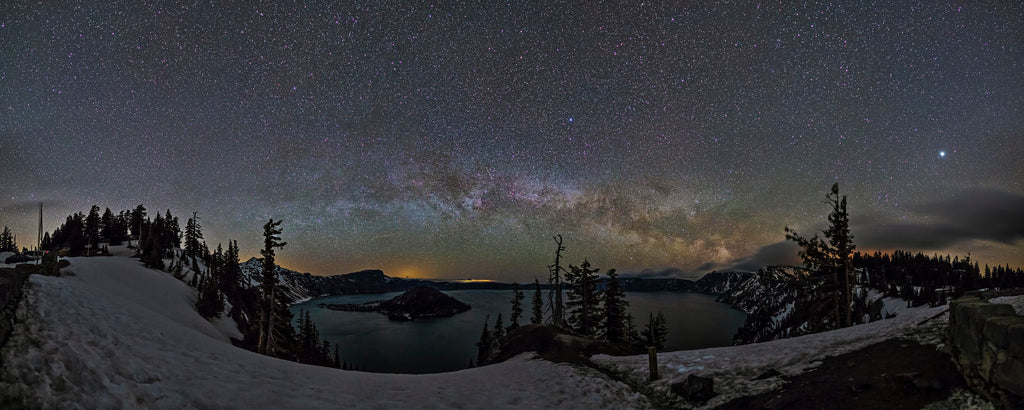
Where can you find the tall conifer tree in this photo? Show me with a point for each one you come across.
(829, 260)
(268, 285)
(538, 304)
(517, 307)
(615, 303)
(584, 311)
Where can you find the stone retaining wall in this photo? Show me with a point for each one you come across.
(987, 344)
(12, 281)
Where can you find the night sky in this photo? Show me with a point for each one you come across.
(453, 141)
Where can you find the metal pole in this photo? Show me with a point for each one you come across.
(39, 238)
(652, 358)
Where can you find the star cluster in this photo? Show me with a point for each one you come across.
(444, 140)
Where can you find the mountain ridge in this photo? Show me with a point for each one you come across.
(301, 286)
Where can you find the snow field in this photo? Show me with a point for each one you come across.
(117, 335)
(735, 368)
(1016, 301)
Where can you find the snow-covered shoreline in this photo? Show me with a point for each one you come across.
(736, 369)
(116, 335)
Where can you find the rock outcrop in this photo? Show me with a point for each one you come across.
(420, 302)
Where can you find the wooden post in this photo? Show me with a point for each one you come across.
(652, 355)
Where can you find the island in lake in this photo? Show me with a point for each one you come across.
(420, 302)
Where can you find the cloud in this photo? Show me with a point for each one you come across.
(980, 214)
(779, 253)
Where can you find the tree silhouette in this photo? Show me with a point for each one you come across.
(268, 285)
(584, 313)
(615, 319)
(7, 241)
(483, 345)
(655, 331)
(555, 271)
(517, 307)
(92, 226)
(830, 258)
(136, 218)
(538, 304)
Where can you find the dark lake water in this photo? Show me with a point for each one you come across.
(376, 344)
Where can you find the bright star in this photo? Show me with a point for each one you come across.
(942, 154)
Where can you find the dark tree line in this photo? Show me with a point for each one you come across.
(931, 280)
(79, 230)
(8, 242)
(833, 270)
(593, 307)
(310, 349)
(260, 310)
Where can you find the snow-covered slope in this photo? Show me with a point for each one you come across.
(736, 370)
(117, 335)
(301, 286)
(717, 283)
(297, 286)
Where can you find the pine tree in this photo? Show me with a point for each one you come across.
(107, 227)
(499, 327)
(74, 237)
(7, 241)
(517, 307)
(118, 229)
(47, 242)
(538, 304)
(655, 331)
(307, 339)
(173, 230)
(193, 235)
(208, 302)
(92, 227)
(615, 303)
(231, 276)
(632, 335)
(135, 220)
(584, 311)
(841, 244)
(483, 345)
(269, 309)
(152, 244)
(555, 271)
(829, 259)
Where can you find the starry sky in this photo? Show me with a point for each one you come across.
(452, 141)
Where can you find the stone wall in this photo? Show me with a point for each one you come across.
(987, 344)
(11, 283)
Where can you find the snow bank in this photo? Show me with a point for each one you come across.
(117, 335)
(1016, 301)
(735, 368)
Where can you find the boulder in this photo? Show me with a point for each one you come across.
(695, 388)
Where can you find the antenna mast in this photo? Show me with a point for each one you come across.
(39, 239)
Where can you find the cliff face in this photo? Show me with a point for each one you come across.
(769, 298)
(718, 283)
(304, 286)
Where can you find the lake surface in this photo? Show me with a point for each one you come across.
(373, 343)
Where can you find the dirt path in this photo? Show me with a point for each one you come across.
(894, 374)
